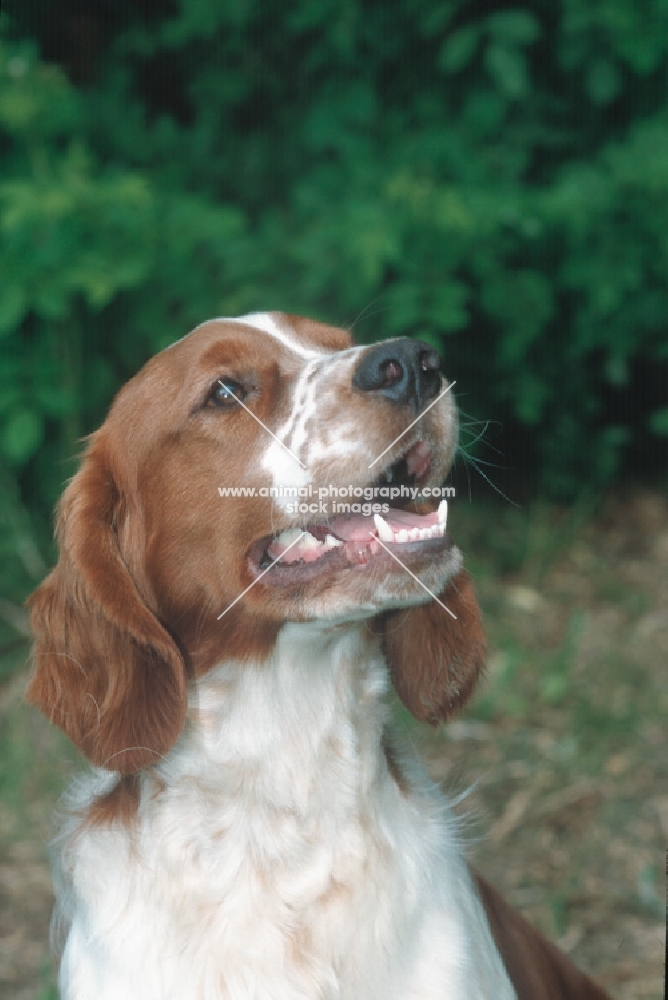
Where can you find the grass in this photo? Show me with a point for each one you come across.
(563, 746)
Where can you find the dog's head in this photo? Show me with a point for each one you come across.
(259, 471)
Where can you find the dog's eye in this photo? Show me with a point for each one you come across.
(226, 393)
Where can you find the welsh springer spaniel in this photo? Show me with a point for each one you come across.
(249, 830)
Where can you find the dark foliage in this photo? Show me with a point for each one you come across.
(491, 179)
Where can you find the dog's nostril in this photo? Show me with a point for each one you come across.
(430, 361)
(430, 373)
(405, 371)
(391, 371)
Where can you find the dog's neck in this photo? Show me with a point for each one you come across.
(276, 840)
(297, 730)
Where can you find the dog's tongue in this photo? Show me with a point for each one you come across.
(418, 459)
(357, 532)
(360, 529)
(356, 527)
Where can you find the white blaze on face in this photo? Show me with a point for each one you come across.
(290, 463)
(285, 471)
(282, 461)
(267, 323)
(318, 429)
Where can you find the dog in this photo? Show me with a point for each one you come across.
(251, 827)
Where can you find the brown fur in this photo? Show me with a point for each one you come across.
(147, 563)
(435, 660)
(120, 805)
(106, 670)
(393, 764)
(149, 556)
(537, 969)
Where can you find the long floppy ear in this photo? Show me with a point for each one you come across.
(434, 659)
(105, 670)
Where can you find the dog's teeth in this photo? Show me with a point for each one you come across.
(385, 532)
(289, 536)
(443, 513)
(309, 542)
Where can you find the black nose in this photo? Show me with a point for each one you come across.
(405, 371)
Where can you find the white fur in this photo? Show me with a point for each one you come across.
(268, 323)
(274, 856)
(316, 429)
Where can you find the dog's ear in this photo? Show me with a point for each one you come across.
(104, 668)
(435, 659)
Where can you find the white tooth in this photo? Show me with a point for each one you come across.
(414, 534)
(438, 529)
(443, 513)
(330, 541)
(310, 542)
(401, 536)
(289, 536)
(425, 533)
(385, 532)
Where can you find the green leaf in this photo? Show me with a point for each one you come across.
(603, 81)
(658, 422)
(507, 67)
(405, 308)
(10, 397)
(484, 111)
(530, 398)
(52, 300)
(517, 27)
(431, 338)
(434, 17)
(555, 687)
(55, 401)
(448, 309)
(617, 370)
(523, 304)
(21, 435)
(13, 306)
(459, 49)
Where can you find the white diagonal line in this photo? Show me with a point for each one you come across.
(411, 425)
(278, 559)
(265, 426)
(127, 750)
(414, 576)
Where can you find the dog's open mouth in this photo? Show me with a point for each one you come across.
(300, 554)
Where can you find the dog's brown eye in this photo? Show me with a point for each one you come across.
(226, 393)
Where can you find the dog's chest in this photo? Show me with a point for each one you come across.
(278, 861)
(264, 904)
(229, 914)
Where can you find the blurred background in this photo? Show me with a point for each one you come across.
(488, 177)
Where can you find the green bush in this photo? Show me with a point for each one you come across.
(492, 179)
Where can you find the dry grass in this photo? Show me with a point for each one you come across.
(565, 745)
(564, 748)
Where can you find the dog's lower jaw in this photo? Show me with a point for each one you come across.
(350, 599)
(287, 852)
